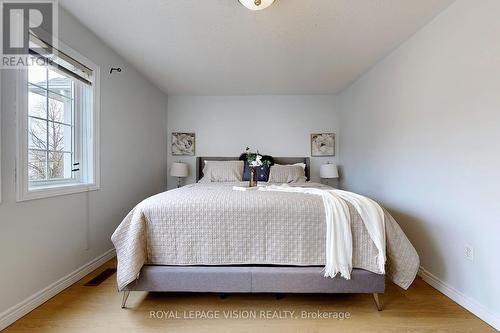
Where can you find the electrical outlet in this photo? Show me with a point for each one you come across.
(469, 252)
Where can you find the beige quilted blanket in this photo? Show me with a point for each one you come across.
(212, 224)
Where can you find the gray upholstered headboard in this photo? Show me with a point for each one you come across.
(200, 163)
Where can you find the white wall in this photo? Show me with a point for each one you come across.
(43, 240)
(276, 125)
(421, 133)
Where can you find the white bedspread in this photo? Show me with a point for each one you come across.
(211, 224)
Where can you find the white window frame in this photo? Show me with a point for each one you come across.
(58, 187)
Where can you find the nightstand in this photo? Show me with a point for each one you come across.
(332, 182)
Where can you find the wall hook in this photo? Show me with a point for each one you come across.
(118, 69)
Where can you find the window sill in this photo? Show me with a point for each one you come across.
(48, 191)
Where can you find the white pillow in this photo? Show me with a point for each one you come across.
(222, 171)
(303, 165)
(287, 174)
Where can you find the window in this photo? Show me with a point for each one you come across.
(51, 153)
(57, 125)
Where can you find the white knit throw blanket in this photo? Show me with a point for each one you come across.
(338, 226)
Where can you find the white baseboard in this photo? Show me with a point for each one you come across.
(468, 303)
(24, 307)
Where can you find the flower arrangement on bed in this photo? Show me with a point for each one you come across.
(256, 166)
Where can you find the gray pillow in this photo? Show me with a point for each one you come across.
(287, 174)
(222, 171)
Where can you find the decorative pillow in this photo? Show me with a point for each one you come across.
(287, 174)
(262, 172)
(222, 171)
(303, 165)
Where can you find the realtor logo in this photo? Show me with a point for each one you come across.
(21, 22)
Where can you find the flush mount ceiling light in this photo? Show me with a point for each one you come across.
(256, 4)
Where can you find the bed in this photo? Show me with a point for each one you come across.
(210, 238)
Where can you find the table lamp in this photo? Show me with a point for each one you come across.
(179, 170)
(329, 171)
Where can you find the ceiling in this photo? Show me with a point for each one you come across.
(218, 47)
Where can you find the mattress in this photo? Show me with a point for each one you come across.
(212, 224)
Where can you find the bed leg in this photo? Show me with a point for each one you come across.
(124, 298)
(377, 301)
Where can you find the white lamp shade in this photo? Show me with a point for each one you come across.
(256, 4)
(329, 171)
(179, 169)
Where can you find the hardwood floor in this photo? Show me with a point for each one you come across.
(97, 309)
